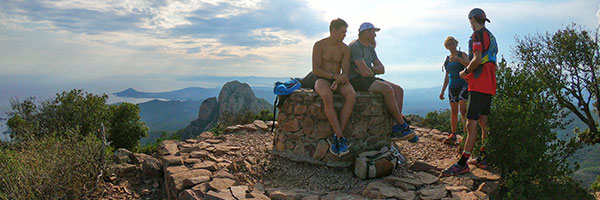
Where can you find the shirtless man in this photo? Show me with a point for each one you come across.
(330, 55)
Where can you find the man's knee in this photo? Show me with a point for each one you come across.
(383, 88)
(326, 95)
(350, 96)
(471, 122)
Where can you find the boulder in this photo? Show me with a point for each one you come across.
(168, 147)
(221, 183)
(151, 167)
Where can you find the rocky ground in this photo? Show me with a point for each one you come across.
(239, 165)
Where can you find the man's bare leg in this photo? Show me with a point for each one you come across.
(463, 113)
(322, 88)
(399, 93)
(471, 135)
(388, 97)
(349, 94)
(483, 121)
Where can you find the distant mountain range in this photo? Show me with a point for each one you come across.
(192, 94)
(168, 116)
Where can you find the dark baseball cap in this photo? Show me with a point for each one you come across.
(479, 14)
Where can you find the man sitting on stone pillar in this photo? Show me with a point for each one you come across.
(364, 66)
(331, 64)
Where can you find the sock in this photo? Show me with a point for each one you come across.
(482, 150)
(464, 158)
(404, 126)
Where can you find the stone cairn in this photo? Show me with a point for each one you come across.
(304, 128)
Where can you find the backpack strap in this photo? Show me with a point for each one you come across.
(446, 63)
(274, 113)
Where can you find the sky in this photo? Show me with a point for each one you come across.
(161, 45)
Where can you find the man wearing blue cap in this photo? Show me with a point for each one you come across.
(364, 65)
(330, 63)
(481, 77)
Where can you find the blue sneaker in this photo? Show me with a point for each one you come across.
(403, 134)
(333, 144)
(342, 147)
(414, 140)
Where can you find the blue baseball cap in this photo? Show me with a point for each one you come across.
(367, 26)
(479, 14)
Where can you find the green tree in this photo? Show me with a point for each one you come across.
(567, 62)
(126, 126)
(77, 111)
(72, 111)
(522, 141)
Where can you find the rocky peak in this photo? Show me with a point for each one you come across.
(235, 97)
(207, 108)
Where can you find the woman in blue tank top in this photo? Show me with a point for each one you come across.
(457, 92)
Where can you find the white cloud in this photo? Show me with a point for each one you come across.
(150, 39)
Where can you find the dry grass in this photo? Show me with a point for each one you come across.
(51, 167)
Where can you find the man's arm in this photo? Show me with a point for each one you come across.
(378, 68)
(317, 62)
(345, 66)
(362, 68)
(473, 65)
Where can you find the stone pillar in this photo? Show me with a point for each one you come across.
(303, 128)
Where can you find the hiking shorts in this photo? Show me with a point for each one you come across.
(458, 94)
(361, 83)
(479, 104)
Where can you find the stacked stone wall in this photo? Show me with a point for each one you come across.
(303, 128)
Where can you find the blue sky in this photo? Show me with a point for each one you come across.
(159, 45)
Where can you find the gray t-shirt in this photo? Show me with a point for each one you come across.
(358, 51)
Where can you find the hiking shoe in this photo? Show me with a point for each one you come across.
(403, 134)
(451, 140)
(342, 147)
(455, 169)
(414, 140)
(333, 144)
(478, 162)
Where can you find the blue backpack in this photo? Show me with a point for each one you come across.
(283, 91)
(286, 88)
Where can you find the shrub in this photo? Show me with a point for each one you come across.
(126, 126)
(439, 120)
(264, 115)
(151, 148)
(57, 166)
(596, 185)
(522, 143)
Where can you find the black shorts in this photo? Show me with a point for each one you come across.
(479, 104)
(458, 94)
(361, 83)
(327, 79)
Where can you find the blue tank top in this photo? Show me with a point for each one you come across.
(454, 68)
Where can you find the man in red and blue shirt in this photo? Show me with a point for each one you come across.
(481, 77)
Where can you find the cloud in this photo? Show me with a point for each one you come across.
(81, 39)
